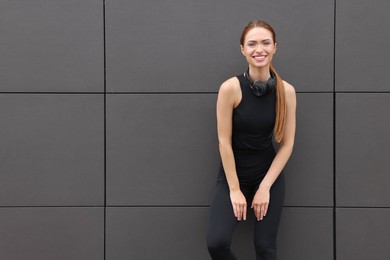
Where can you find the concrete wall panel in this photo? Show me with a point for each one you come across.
(160, 146)
(194, 45)
(363, 233)
(156, 233)
(52, 233)
(362, 139)
(52, 150)
(362, 59)
(51, 46)
(309, 172)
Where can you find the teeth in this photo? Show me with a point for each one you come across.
(260, 57)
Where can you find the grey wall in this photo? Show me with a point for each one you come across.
(108, 133)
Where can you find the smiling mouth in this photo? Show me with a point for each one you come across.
(259, 58)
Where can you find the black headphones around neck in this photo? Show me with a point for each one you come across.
(260, 88)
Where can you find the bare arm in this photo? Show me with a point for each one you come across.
(261, 199)
(228, 97)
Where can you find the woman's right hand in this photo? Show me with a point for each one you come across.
(239, 204)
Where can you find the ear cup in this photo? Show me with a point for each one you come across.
(260, 88)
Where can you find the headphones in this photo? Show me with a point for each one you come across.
(260, 88)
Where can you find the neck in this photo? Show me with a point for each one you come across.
(261, 74)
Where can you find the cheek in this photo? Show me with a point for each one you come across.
(248, 55)
(248, 51)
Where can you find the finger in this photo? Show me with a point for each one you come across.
(239, 212)
(265, 209)
(244, 212)
(257, 212)
(235, 210)
(239, 217)
(261, 212)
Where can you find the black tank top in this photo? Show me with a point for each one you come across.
(253, 124)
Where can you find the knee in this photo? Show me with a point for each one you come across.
(266, 249)
(217, 246)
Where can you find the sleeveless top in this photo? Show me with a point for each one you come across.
(253, 124)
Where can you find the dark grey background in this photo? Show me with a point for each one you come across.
(108, 137)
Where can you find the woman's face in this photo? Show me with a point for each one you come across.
(258, 47)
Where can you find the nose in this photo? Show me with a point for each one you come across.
(259, 48)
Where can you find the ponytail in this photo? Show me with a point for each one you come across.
(281, 110)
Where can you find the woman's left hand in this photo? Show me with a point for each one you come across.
(260, 202)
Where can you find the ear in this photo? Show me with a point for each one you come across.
(275, 47)
(242, 49)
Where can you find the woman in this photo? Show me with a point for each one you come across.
(252, 109)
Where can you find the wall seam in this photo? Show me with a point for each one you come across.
(202, 206)
(105, 132)
(51, 93)
(334, 134)
(176, 93)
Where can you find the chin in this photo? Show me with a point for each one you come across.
(260, 65)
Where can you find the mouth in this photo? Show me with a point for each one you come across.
(259, 58)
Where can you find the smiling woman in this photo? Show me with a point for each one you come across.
(253, 108)
(259, 47)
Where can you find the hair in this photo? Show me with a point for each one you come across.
(281, 110)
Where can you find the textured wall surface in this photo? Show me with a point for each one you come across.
(108, 137)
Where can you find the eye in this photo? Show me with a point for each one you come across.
(251, 44)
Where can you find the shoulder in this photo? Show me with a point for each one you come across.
(289, 92)
(289, 89)
(230, 92)
(230, 86)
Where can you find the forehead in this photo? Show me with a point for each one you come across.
(258, 34)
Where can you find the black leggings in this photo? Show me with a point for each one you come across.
(222, 222)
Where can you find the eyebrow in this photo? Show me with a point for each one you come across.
(253, 41)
